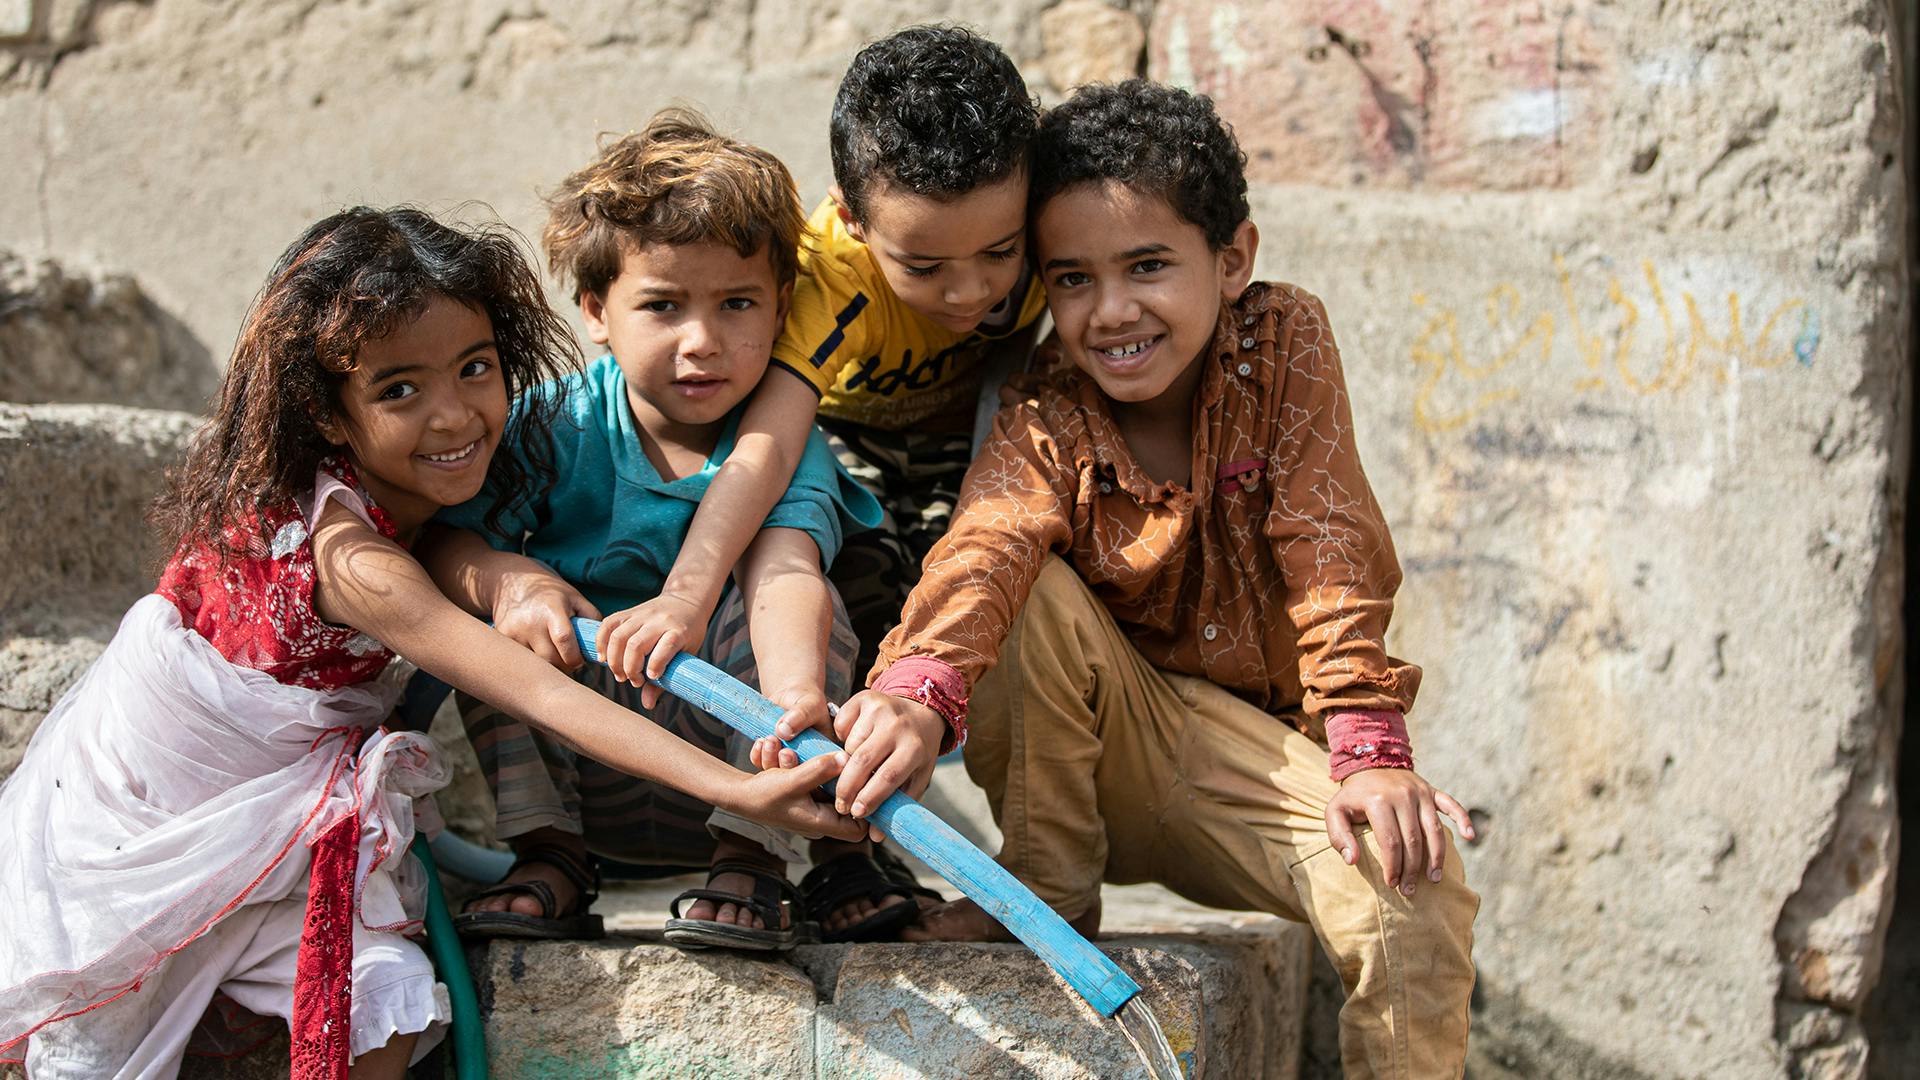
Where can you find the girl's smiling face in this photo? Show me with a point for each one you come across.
(422, 411)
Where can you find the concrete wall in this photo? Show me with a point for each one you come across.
(1623, 298)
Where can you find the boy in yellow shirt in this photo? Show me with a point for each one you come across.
(916, 275)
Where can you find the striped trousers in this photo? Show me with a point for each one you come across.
(539, 782)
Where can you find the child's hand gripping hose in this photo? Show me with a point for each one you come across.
(1091, 974)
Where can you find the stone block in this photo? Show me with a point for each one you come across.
(1229, 1005)
(946, 1012)
(70, 337)
(1230, 1001)
(77, 481)
(629, 1009)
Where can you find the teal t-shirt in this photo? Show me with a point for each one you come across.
(612, 526)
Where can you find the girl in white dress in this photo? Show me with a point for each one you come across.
(215, 804)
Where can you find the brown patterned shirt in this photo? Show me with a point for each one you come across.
(1271, 574)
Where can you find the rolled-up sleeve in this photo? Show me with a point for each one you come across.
(1015, 508)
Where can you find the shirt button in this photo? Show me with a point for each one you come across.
(1209, 631)
(1106, 488)
(1244, 370)
(1246, 343)
(1249, 320)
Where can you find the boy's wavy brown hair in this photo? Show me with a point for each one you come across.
(676, 182)
(351, 278)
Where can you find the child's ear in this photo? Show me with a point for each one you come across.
(846, 216)
(783, 305)
(1236, 261)
(331, 429)
(593, 311)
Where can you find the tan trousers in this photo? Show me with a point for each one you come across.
(1099, 766)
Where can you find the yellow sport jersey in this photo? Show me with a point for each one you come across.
(872, 359)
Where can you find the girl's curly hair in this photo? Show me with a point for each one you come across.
(1156, 139)
(351, 278)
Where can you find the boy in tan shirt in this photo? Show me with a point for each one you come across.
(1166, 591)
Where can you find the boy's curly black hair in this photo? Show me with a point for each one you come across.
(1153, 138)
(933, 110)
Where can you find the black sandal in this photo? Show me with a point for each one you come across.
(871, 876)
(552, 924)
(773, 896)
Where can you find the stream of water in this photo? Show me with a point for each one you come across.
(1137, 1023)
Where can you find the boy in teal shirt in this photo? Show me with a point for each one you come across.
(680, 244)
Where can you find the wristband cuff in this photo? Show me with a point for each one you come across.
(935, 684)
(1367, 739)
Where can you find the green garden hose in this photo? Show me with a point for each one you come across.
(450, 962)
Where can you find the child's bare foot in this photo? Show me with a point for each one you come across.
(731, 848)
(747, 903)
(964, 920)
(564, 893)
(564, 890)
(545, 895)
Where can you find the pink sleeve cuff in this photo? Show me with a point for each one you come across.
(935, 684)
(1367, 739)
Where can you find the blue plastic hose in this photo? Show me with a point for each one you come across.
(1088, 970)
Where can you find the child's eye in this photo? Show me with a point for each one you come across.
(736, 303)
(1148, 266)
(923, 271)
(660, 307)
(1005, 253)
(1070, 279)
(396, 391)
(475, 368)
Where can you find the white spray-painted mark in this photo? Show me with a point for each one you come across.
(1674, 67)
(1523, 114)
(1179, 54)
(1224, 35)
(1684, 481)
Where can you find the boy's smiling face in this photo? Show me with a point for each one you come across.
(1135, 291)
(952, 261)
(692, 328)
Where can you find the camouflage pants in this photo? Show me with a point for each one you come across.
(916, 476)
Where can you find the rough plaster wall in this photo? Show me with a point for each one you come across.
(1620, 287)
(188, 142)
